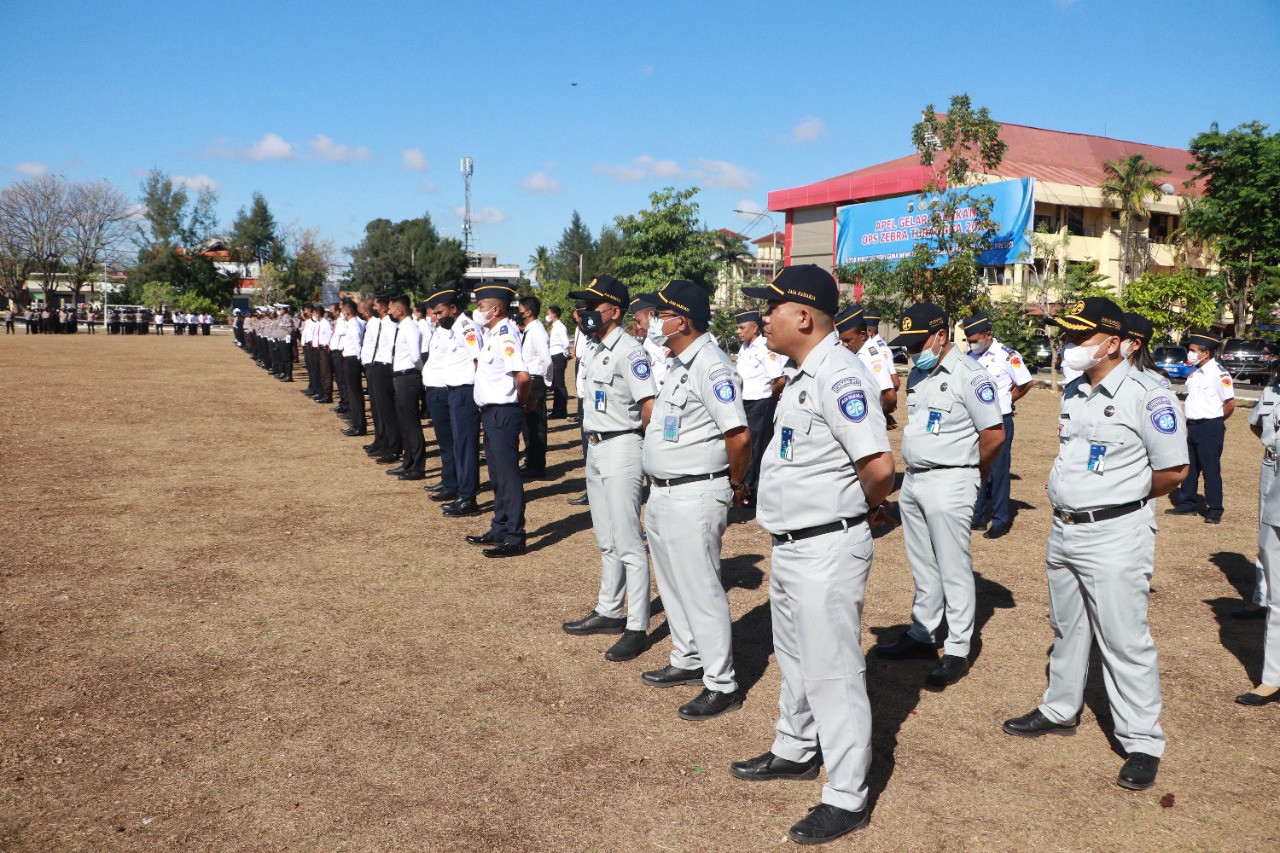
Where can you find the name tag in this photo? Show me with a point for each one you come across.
(600, 401)
(1097, 458)
(787, 449)
(670, 428)
(935, 422)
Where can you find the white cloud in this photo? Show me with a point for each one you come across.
(197, 182)
(748, 210)
(484, 216)
(415, 160)
(541, 183)
(428, 187)
(329, 151)
(269, 147)
(725, 176)
(712, 173)
(808, 130)
(31, 170)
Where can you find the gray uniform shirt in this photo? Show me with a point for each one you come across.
(617, 379)
(284, 327)
(700, 401)
(1111, 437)
(828, 417)
(1270, 512)
(946, 409)
(1262, 412)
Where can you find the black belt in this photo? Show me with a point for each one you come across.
(487, 406)
(408, 372)
(692, 478)
(1201, 420)
(1098, 514)
(597, 437)
(941, 467)
(820, 530)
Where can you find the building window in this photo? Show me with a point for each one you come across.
(1162, 227)
(1075, 221)
(1043, 223)
(995, 275)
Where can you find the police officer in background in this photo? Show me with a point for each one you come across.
(617, 379)
(1211, 398)
(872, 318)
(642, 313)
(762, 382)
(460, 358)
(829, 465)
(406, 377)
(502, 397)
(1120, 444)
(386, 447)
(324, 364)
(1013, 381)
(697, 452)
(954, 432)
(352, 370)
(435, 382)
(536, 350)
(284, 327)
(852, 329)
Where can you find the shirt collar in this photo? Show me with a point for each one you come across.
(1111, 383)
(691, 352)
(819, 354)
(611, 340)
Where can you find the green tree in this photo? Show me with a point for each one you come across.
(540, 264)
(724, 328)
(960, 149)
(665, 242)
(1013, 324)
(1131, 183)
(608, 247)
(253, 234)
(887, 287)
(576, 240)
(406, 257)
(172, 225)
(157, 294)
(1174, 302)
(1239, 215)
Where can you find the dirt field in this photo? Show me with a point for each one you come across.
(223, 628)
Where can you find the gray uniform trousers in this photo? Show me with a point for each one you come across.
(1098, 587)
(686, 525)
(816, 590)
(1260, 584)
(936, 506)
(1269, 547)
(613, 488)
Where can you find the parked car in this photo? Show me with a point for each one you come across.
(1040, 353)
(1173, 361)
(1246, 360)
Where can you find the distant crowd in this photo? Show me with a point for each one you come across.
(122, 321)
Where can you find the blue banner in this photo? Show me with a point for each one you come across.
(890, 229)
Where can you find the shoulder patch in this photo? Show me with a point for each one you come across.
(845, 383)
(877, 366)
(1165, 421)
(1015, 360)
(635, 354)
(1159, 402)
(640, 368)
(508, 350)
(987, 392)
(854, 406)
(471, 337)
(725, 392)
(1007, 350)
(1225, 378)
(773, 356)
(718, 373)
(871, 351)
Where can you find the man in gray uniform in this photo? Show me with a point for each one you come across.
(827, 466)
(1121, 443)
(954, 431)
(697, 450)
(615, 410)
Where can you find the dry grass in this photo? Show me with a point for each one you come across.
(223, 628)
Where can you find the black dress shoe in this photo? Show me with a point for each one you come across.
(325, 400)
(594, 623)
(1213, 519)
(767, 767)
(629, 646)
(286, 379)
(507, 549)
(996, 532)
(977, 525)
(709, 704)
(948, 671)
(434, 488)
(827, 823)
(1036, 724)
(485, 539)
(444, 497)
(410, 476)
(396, 471)
(1254, 700)
(672, 676)
(388, 459)
(581, 500)
(1249, 613)
(341, 410)
(352, 431)
(1180, 510)
(906, 647)
(1139, 771)
(462, 509)
(367, 447)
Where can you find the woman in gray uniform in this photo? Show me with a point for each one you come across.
(1269, 551)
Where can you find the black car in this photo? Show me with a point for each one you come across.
(1246, 360)
(1040, 353)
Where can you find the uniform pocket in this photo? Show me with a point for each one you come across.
(797, 421)
(1105, 434)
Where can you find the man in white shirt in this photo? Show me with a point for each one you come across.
(1013, 380)
(159, 322)
(352, 370)
(427, 330)
(459, 366)
(559, 344)
(386, 446)
(642, 309)
(1211, 398)
(582, 346)
(336, 358)
(324, 364)
(436, 386)
(368, 346)
(406, 373)
(851, 326)
(762, 381)
(536, 351)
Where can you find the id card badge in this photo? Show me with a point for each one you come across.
(787, 449)
(935, 422)
(600, 401)
(1097, 458)
(671, 428)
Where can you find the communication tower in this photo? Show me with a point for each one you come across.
(467, 165)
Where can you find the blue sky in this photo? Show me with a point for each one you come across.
(339, 113)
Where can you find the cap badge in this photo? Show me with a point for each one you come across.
(906, 324)
(1078, 307)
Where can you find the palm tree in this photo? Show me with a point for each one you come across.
(729, 251)
(1130, 182)
(540, 264)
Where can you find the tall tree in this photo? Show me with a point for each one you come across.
(97, 226)
(406, 257)
(665, 242)
(1131, 182)
(729, 250)
(576, 240)
(540, 264)
(35, 213)
(1174, 302)
(1239, 215)
(253, 234)
(608, 247)
(311, 262)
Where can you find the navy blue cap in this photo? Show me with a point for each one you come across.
(918, 323)
(494, 291)
(1203, 338)
(643, 302)
(746, 315)
(604, 288)
(872, 316)
(687, 299)
(978, 324)
(850, 319)
(1137, 327)
(1092, 314)
(807, 284)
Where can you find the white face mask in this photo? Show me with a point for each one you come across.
(980, 348)
(655, 331)
(482, 318)
(1082, 358)
(1128, 348)
(549, 318)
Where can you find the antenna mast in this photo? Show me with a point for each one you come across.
(467, 165)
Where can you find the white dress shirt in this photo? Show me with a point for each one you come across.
(499, 361)
(386, 341)
(758, 366)
(369, 343)
(425, 328)
(1208, 387)
(339, 333)
(408, 346)
(323, 332)
(353, 338)
(463, 350)
(536, 351)
(559, 338)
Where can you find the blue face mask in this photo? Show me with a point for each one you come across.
(926, 359)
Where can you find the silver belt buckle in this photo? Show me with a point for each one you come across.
(1065, 515)
(593, 438)
(1270, 454)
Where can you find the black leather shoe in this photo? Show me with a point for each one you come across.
(906, 647)
(286, 379)
(485, 539)
(709, 704)
(948, 671)
(462, 509)
(977, 525)
(367, 447)
(410, 476)
(1139, 771)
(629, 646)
(434, 488)
(1213, 519)
(996, 532)
(827, 823)
(388, 459)
(1036, 724)
(594, 623)
(1249, 613)
(341, 410)
(768, 767)
(396, 471)
(1180, 510)
(444, 497)
(353, 432)
(508, 549)
(1254, 700)
(672, 676)
(581, 500)
(325, 400)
